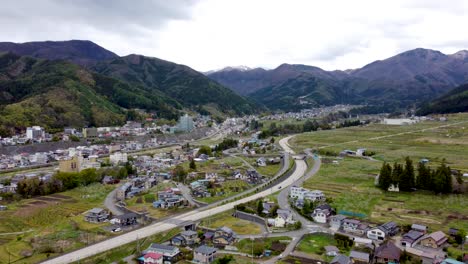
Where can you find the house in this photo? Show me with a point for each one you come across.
(208, 235)
(410, 238)
(178, 241)
(453, 231)
(212, 176)
(170, 253)
(96, 215)
(387, 253)
(300, 193)
(341, 259)
(267, 207)
(204, 254)
(224, 236)
(354, 226)
(434, 240)
(127, 219)
(322, 213)
(382, 231)
(123, 190)
(109, 180)
(336, 221)
(190, 237)
(331, 251)
(284, 218)
(420, 228)
(261, 162)
(359, 257)
(314, 195)
(152, 258)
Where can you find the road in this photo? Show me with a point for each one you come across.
(187, 194)
(179, 220)
(110, 201)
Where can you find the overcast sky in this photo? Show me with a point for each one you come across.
(211, 34)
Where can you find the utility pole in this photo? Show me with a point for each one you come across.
(252, 248)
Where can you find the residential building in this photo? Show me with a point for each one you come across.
(420, 228)
(336, 221)
(224, 236)
(78, 163)
(331, 251)
(354, 226)
(127, 219)
(387, 253)
(90, 132)
(434, 240)
(341, 259)
(204, 254)
(322, 213)
(185, 124)
(152, 258)
(300, 193)
(358, 257)
(35, 133)
(190, 237)
(382, 231)
(123, 190)
(170, 253)
(283, 218)
(96, 215)
(118, 158)
(409, 239)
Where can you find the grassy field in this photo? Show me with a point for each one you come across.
(241, 227)
(314, 244)
(351, 183)
(144, 205)
(228, 189)
(245, 245)
(53, 221)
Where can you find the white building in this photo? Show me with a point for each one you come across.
(185, 124)
(399, 121)
(35, 132)
(306, 194)
(284, 218)
(118, 157)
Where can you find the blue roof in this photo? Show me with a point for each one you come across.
(451, 261)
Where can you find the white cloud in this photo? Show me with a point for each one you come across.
(210, 34)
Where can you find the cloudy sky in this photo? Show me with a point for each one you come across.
(211, 34)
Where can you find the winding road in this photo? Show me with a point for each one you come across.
(180, 220)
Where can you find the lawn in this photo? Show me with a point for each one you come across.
(241, 227)
(228, 188)
(350, 183)
(314, 244)
(245, 245)
(50, 221)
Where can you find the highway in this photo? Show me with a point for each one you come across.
(179, 220)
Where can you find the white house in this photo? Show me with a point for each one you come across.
(284, 218)
(118, 157)
(211, 176)
(297, 192)
(35, 132)
(322, 213)
(314, 195)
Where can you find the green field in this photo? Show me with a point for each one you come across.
(50, 224)
(241, 227)
(246, 245)
(351, 182)
(314, 244)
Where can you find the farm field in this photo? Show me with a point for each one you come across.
(50, 224)
(241, 227)
(260, 244)
(225, 190)
(350, 183)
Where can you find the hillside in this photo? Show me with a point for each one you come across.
(56, 94)
(405, 79)
(81, 52)
(179, 82)
(453, 102)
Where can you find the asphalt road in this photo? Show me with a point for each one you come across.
(179, 220)
(110, 201)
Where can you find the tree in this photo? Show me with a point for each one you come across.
(385, 176)
(74, 138)
(192, 164)
(407, 177)
(396, 173)
(204, 150)
(260, 207)
(424, 180)
(224, 260)
(272, 140)
(89, 176)
(442, 179)
(179, 173)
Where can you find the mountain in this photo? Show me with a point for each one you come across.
(454, 101)
(410, 77)
(56, 94)
(179, 82)
(81, 52)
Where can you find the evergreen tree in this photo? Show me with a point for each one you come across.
(424, 179)
(260, 207)
(192, 164)
(396, 173)
(407, 177)
(385, 177)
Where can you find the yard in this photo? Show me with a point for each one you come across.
(350, 183)
(227, 189)
(314, 244)
(241, 227)
(144, 202)
(50, 224)
(275, 244)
